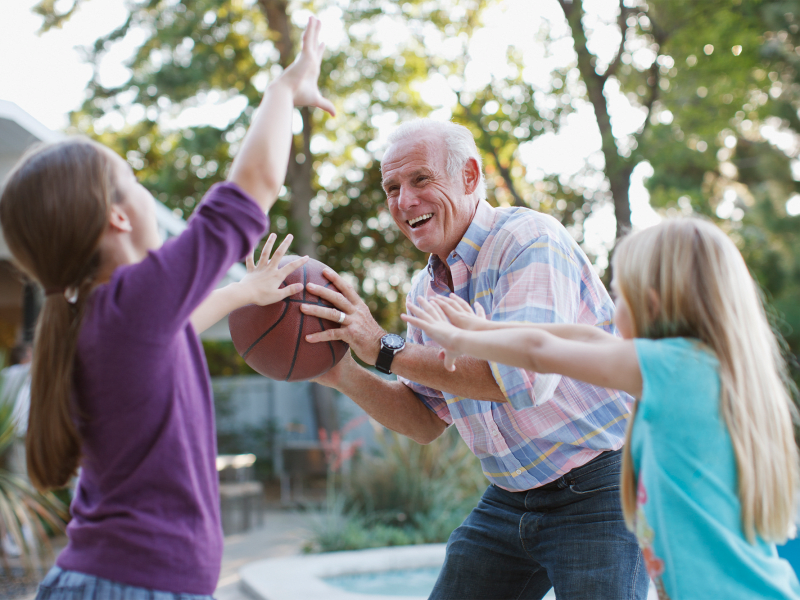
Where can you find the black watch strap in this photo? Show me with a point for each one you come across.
(384, 362)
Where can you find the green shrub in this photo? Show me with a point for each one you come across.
(405, 493)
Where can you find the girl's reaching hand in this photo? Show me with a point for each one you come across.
(460, 314)
(303, 73)
(432, 320)
(262, 284)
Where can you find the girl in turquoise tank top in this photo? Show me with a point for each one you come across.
(710, 475)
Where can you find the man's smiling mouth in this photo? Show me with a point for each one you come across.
(417, 221)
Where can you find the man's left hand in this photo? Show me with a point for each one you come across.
(358, 329)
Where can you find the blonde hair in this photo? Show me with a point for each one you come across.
(54, 211)
(704, 290)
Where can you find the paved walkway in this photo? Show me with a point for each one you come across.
(282, 534)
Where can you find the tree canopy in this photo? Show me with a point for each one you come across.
(705, 92)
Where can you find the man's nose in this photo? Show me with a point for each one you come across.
(406, 199)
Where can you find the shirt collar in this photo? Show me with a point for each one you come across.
(470, 245)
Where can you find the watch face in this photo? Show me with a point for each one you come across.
(393, 341)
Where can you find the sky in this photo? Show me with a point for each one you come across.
(46, 76)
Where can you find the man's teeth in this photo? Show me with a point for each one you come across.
(419, 218)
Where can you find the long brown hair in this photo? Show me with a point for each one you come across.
(54, 211)
(705, 292)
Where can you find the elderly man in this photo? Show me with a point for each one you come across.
(549, 445)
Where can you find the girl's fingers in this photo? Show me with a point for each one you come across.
(449, 311)
(419, 313)
(416, 322)
(427, 310)
(479, 311)
(263, 258)
(459, 302)
(248, 261)
(285, 270)
(291, 290)
(281, 250)
(438, 313)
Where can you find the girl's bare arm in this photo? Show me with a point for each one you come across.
(574, 351)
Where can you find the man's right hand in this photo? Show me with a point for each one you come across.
(358, 328)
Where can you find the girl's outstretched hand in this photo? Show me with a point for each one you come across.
(262, 283)
(432, 320)
(303, 73)
(461, 315)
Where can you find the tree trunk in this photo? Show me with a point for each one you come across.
(620, 182)
(618, 169)
(298, 178)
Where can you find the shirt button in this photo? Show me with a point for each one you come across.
(496, 432)
(519, 472)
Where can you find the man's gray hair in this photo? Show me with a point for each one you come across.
(459, 142)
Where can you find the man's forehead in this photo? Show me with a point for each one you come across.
(413, 154)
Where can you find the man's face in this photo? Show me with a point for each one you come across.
(429, 208)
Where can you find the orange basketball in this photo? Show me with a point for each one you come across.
(271, 339)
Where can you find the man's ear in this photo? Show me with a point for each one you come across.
(118, 219)
(653, 303)
(472, 176)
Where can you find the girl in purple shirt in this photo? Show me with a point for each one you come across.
(120, 385)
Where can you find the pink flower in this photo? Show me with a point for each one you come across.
(641, 493)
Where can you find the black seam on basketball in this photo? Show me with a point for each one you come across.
(300, 331)
(263, 335)
(320, 302)
(330, 345)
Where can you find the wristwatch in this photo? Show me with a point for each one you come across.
(391, 344)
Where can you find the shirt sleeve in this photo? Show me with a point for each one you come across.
(158, 295)
(539, 284)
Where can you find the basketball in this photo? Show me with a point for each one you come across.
(272, 339)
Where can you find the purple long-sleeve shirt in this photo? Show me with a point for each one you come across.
(146, 509)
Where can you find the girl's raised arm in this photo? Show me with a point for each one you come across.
(601, 360)
(260, 167)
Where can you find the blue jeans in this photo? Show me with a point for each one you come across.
(568, 534)
(59, 584)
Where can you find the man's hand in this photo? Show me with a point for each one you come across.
(358, 328)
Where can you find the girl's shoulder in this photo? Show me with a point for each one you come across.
(676, 372)
(674, 352)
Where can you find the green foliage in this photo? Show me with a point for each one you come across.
(733, 91)
(223, 359)
(706, 76)
(406, 493)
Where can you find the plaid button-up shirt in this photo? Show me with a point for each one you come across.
(521, 265)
